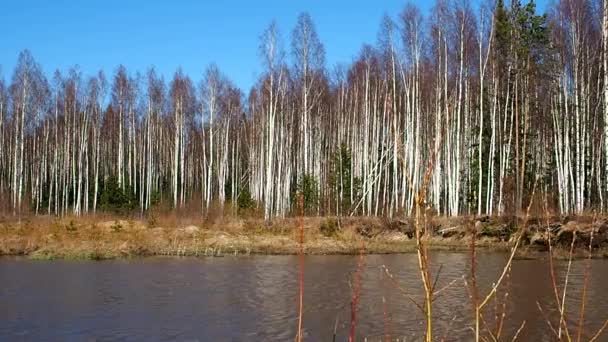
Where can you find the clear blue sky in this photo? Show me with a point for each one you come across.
(169, 34)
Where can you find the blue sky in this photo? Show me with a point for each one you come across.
(170, 34)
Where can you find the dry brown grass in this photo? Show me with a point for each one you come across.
(182, 233)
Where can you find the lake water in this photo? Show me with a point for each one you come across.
(255, 298)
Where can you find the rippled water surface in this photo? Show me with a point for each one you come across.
(255, 298)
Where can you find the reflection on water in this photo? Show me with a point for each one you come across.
(255, 298)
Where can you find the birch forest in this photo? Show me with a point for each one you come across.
(490, 98)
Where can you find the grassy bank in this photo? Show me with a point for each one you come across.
(105, 237)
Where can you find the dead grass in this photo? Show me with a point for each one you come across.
(103, 236)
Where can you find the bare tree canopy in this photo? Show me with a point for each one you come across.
(491, 98)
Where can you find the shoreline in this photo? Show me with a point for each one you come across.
(100, 238)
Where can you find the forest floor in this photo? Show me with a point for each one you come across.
(106, 237)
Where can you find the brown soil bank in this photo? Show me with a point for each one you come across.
(104, 237)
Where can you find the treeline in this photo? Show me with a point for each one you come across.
(490, 100)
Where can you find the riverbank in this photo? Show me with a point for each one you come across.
(102, 237)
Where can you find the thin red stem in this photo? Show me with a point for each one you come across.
(355, 300)
(301, 256)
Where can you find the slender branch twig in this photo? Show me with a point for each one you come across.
(523, 324)
(547, 320)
